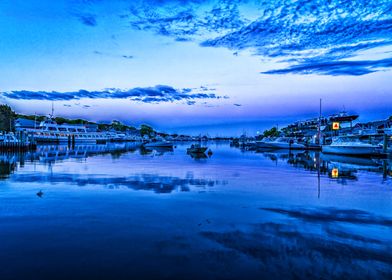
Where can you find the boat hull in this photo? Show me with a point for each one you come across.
(76, 138)
(350, 150)
(158, 145)
(287, 146)
(263, 145)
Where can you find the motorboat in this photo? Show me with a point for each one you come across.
(158, 144)
(283, 143)
(196, 149)
(264, 143)
(351, 145)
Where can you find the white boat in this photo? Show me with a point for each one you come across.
(50, 131)
(283, 143)
(8, 138)
(264, 143)
(351, 145)
(158, 144)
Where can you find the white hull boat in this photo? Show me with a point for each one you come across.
(281, 143)
(8, 138)
(51, 132)
(351, 145)
(159, 144)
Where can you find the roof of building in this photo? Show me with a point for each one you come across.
(21, 122)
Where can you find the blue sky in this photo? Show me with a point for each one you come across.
(197, 66)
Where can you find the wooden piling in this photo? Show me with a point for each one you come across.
(385, 144)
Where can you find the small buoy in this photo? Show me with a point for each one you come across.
(40, 193)
(209, 152)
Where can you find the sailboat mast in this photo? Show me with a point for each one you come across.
(319, 125)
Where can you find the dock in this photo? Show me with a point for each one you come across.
(17, 147)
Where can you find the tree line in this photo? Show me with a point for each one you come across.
(8, 117)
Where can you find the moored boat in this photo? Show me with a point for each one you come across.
(283, 143)
(158, 144)
(196, 149)
(49, 131)
(264, 143)
(8, 138)
(351, 145)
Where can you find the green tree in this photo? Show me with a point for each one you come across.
(103, 126)
(7, 118)
(146, 130)
(273, 132)
(118, 126)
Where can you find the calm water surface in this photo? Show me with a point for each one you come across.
(118, 212)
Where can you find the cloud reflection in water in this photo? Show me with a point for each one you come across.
(148, 182)
(315, 245)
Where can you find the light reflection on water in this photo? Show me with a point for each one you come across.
(119, 211)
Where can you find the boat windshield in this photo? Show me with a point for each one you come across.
(284, 139)
(348, 139)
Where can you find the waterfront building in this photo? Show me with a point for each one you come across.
(374, 127)
(333, 125)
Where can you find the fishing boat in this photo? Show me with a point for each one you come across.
(196, 149)
(351, 145)
(283, 143)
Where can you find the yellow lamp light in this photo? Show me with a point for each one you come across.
(335, 173)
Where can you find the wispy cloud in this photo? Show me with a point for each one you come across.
(156, 94)
(307, 34)
(113, 55)
(335, 68)
(89, 20)
(186, 20)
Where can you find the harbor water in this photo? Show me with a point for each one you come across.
(118, 211)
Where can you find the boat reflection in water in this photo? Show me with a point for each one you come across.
(198, 156)
(54, 153)
(236, 215)
(337, 167)
(155, 151)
